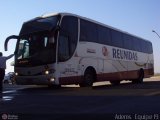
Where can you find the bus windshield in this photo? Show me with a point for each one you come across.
(39, 25)
(36, 49)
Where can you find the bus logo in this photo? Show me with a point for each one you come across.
(104, 51)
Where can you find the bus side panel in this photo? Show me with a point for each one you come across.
(69, 72)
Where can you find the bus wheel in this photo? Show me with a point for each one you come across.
(88, 80)
(140, 78)
(115, 82)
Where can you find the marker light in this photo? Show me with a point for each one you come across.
(46, 72)
(52, 79)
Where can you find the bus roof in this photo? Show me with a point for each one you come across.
(91, 20)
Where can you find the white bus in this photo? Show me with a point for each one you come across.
(63, 49)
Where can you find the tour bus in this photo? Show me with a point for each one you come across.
(63, 48)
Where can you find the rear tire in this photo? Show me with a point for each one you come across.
(140, 78)
(88, 80)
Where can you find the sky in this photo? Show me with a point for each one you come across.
(138, 17)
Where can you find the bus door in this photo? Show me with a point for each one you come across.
(66, 63)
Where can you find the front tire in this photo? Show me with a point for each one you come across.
(88, 80)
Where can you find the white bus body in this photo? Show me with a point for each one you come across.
(85, 51)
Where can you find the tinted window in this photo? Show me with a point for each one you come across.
(64, 52)
(39, 24)
(128, 42)
(88, 31)
(68, 36)
(137, 44)
(150, 49)
(147, 47)
(143, 46)
(70, 27)
(104, 35)
(117, 38)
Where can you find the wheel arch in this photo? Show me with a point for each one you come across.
(91, 68)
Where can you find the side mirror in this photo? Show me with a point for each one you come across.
(7, 39)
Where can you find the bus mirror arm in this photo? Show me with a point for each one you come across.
(7, 40)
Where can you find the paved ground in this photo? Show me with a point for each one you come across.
(102, 101)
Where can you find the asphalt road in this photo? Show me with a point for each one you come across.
(102, 101)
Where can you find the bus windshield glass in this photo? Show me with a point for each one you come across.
(39, 24)
(36, 49)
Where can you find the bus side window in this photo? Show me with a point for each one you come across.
(88, 31)
(128, 42)
(117, 40)
(68, 37)
(150, 49)
(104, 36)
(63, 48)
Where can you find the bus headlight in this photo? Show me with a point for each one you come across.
(16, 74)
(46, 72)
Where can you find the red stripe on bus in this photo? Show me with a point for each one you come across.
(125, 75)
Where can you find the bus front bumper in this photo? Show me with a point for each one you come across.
(36, 80)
